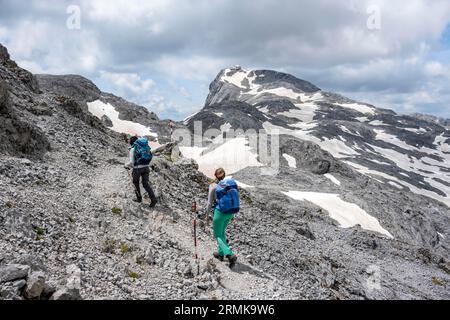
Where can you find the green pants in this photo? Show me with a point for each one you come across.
(220, 224)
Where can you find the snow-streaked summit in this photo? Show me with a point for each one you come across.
(401, 152)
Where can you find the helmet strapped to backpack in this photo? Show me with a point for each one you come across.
(227, 196)
(142, 152)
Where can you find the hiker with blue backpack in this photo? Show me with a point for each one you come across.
(139, 160)
(223, 197)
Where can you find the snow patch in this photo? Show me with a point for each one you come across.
(281, 92)
(358, 107)
(442, 145)
(305, 112)
(379, 162)
(377, 123)
(389, 138)
(396, 185)
(192, 152)
(236, 79)
(241, 184)
(346, 130)
(225, 127)
(100, 109)
(334, 146)
(244, 186)
(264, 110)
(304, 125)
(345, 213)
(444, 199)
(417, 131)
(292, 162)
(234, 155)
(333, 179)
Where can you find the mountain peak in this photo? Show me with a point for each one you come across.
(4, 54)
(238, 83)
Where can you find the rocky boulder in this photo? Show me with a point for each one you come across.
(35, 285)
(13, 272)
(308, 155)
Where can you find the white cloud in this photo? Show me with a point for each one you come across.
(31, 66)
(3, 32)
(55, 50)
(196, 68)
(436, 69)
(184, 92)
(193, 40)
(124, 82)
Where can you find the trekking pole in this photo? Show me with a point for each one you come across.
(197, 258)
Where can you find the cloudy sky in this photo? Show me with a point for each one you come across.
(164, 53)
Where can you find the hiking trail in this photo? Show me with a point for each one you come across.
(113, 186)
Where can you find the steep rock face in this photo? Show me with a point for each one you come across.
(4, 97)
(19, 137)
(23, 75)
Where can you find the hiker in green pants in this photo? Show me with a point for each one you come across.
(220, 224)
(220, 192)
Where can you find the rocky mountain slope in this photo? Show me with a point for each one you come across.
(69, 228)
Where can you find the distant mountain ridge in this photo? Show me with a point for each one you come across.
(409, 152)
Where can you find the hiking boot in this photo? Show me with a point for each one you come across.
(232, 260)
(137, 200)
(218, 256)
(153, 204)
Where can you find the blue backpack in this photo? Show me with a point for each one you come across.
(227, 197)
(142, 152)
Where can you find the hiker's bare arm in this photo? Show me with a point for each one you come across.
(130, 162)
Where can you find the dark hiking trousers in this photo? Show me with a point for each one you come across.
(144, 173)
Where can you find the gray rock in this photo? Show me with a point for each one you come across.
(13, 272)
(49, 289)
(107, 121)
(35, 285)
(66, 294)
(19, 284)
(34, 262)
(305, 232)
(149, 256)
(9, 292)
